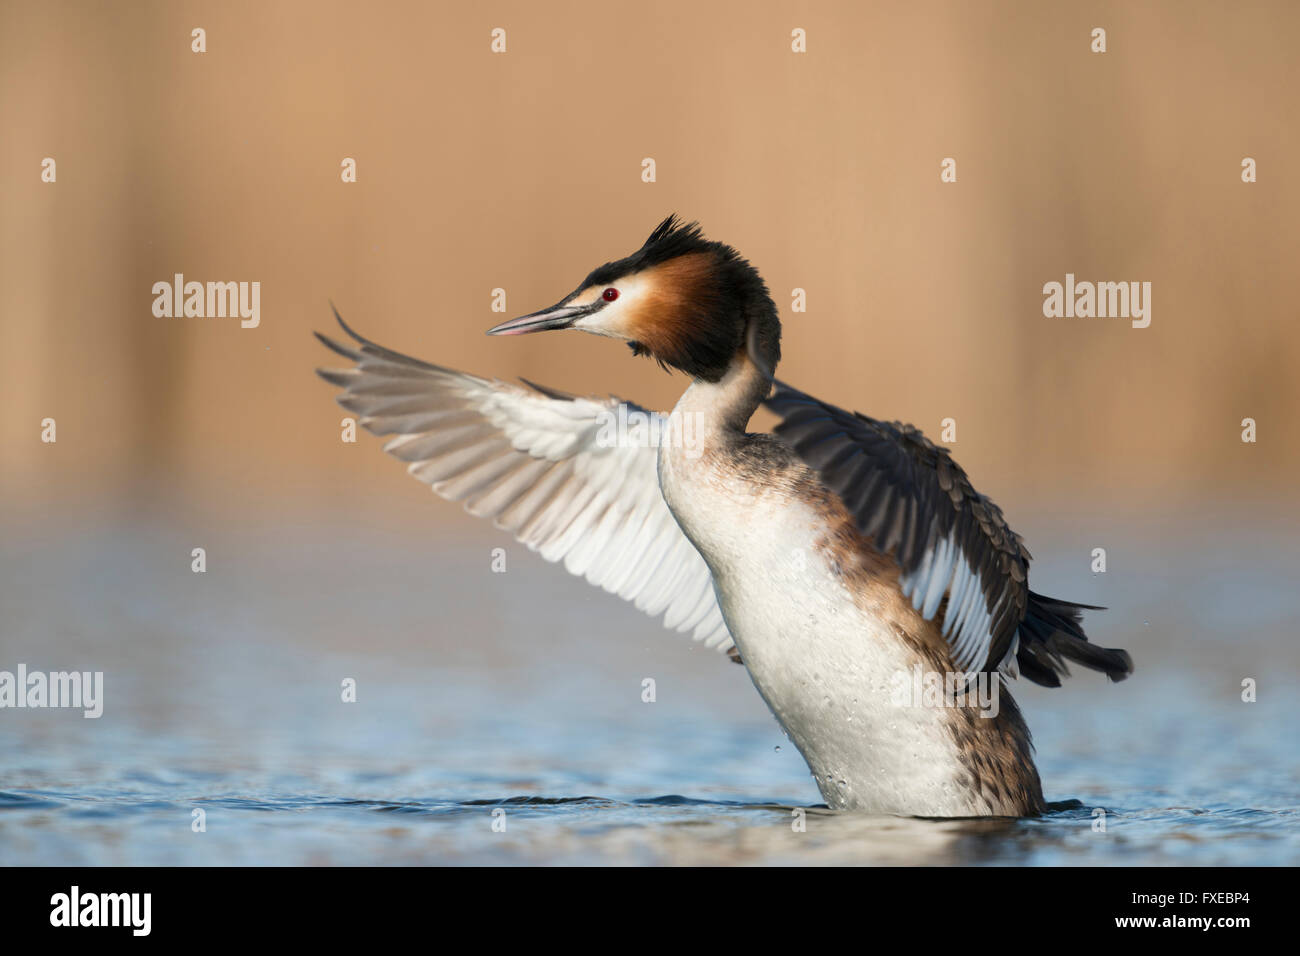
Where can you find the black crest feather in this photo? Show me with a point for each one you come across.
(671, 238)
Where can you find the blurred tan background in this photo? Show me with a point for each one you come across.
(522, 170)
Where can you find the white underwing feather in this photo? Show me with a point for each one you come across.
(534, 464)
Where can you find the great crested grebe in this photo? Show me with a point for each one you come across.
(835, 558)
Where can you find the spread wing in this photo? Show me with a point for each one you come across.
(953, 546)
(539, 464)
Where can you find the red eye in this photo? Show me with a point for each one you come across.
(610, 294)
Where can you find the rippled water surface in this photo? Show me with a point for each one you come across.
(479, 693)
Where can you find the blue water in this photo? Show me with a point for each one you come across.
(520, 694)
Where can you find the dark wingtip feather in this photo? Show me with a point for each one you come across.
(348, 329)
(375, 349)
(1111, 661)
(333, 346)
(1034, 670)
(1052, 632)
(340, 377)
(547, 390)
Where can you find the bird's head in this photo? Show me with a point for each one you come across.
(680, 298)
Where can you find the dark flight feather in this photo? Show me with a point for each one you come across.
(909, 496)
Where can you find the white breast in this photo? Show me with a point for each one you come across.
(825, 666)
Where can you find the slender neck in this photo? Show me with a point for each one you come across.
(726, 406)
